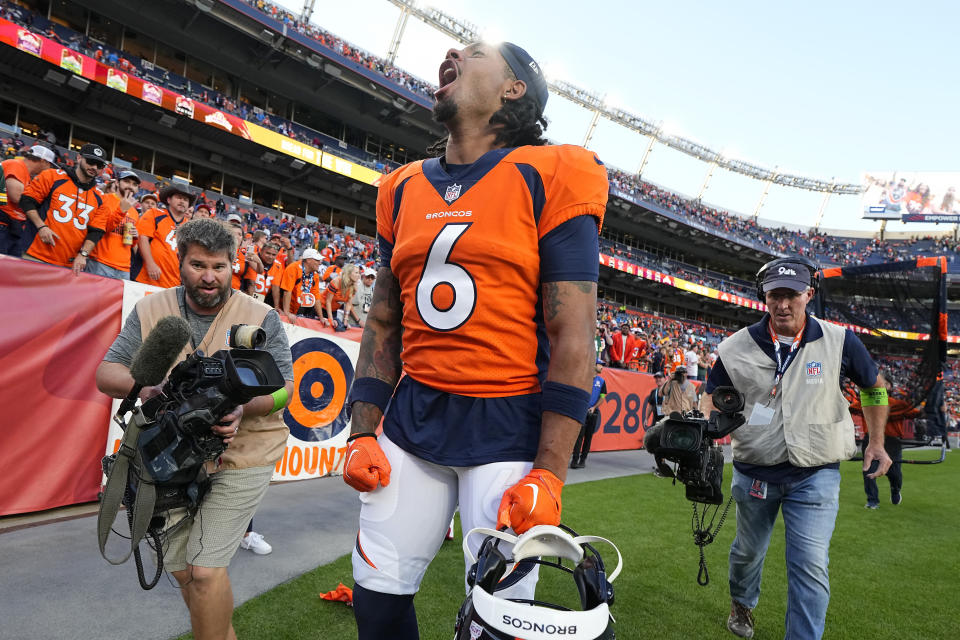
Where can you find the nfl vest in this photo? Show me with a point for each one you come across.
(811, 423)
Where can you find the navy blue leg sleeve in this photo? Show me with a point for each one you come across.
(384, 615)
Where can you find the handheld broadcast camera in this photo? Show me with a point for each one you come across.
(689, 440)
(199, 392)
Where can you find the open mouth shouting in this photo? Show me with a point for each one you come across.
(449, 72)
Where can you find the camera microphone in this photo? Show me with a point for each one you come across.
(157, 353)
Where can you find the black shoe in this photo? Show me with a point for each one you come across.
(740, 622)
(895, 497)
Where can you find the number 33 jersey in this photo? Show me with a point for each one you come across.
(68, 209)
(471, 245)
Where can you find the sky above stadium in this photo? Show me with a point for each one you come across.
(822, 89)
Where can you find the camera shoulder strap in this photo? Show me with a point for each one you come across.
(117, 482)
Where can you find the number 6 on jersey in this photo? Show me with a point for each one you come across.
(438, 271)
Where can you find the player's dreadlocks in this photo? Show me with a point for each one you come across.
(519, 124)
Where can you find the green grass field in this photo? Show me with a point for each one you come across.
(893, 571)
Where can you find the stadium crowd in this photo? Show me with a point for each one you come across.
(300, 268)
(343, 48)
(628, 338)
(237, 105)
(814, 244)
(292, 239)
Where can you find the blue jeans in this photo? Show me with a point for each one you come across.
(809, 515)
(100, 269)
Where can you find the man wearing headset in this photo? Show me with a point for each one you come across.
(786, 457)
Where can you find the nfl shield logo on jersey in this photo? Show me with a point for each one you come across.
(814, 373)
(453, 192)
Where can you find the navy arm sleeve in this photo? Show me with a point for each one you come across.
(856, 363)
(386, 252)
(718, 377)
(571, 252)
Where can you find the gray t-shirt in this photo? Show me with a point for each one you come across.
(129, 340)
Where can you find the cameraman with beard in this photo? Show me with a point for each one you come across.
(198, 553)
(786, 457)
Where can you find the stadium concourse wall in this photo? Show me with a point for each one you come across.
(56, 425)
(84, 66)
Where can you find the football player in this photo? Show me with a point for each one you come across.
(487, 282)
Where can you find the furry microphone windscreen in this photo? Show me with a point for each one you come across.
(159, 351)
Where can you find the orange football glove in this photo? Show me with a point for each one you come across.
(532, 501)
(365, 465)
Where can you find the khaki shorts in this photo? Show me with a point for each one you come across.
(212, 538)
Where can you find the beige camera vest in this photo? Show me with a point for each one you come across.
(811, 423)
(260, 440)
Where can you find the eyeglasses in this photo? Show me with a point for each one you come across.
(96, 163)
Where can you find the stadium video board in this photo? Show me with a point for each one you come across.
(912, 196)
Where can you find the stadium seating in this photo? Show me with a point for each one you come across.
(826, 249)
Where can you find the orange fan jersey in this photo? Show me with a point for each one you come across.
(265, 281)
(242, 270)
(335, 294)
(15, 168)
(295, 280)
(110, 250)
(330, 273)
(677, 360)
(465, 251)
(160, 229)
(68, 209)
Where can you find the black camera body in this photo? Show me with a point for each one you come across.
(176, 436)
(199, 392)
(689, 440)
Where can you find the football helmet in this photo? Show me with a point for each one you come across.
(485, 616)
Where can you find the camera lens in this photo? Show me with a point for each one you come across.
(681, 438)
(727, 400)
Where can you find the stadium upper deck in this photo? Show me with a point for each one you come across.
(690, 230)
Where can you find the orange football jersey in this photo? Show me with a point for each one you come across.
(160, 229)
(15, 168)
(240, 266)
(294, 280)
(330, 273)
(337, 297)
(69, 210)
(465, 251)
(272, 275)
(677, 360)
(110, 250)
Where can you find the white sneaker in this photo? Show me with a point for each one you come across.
(255, 542)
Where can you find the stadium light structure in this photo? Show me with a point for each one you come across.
(465, 33)
(307, 11)
(398, 33)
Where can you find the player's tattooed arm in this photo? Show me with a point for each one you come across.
(380, 346)
(570, 314)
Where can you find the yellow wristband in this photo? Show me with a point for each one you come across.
(279, 399)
